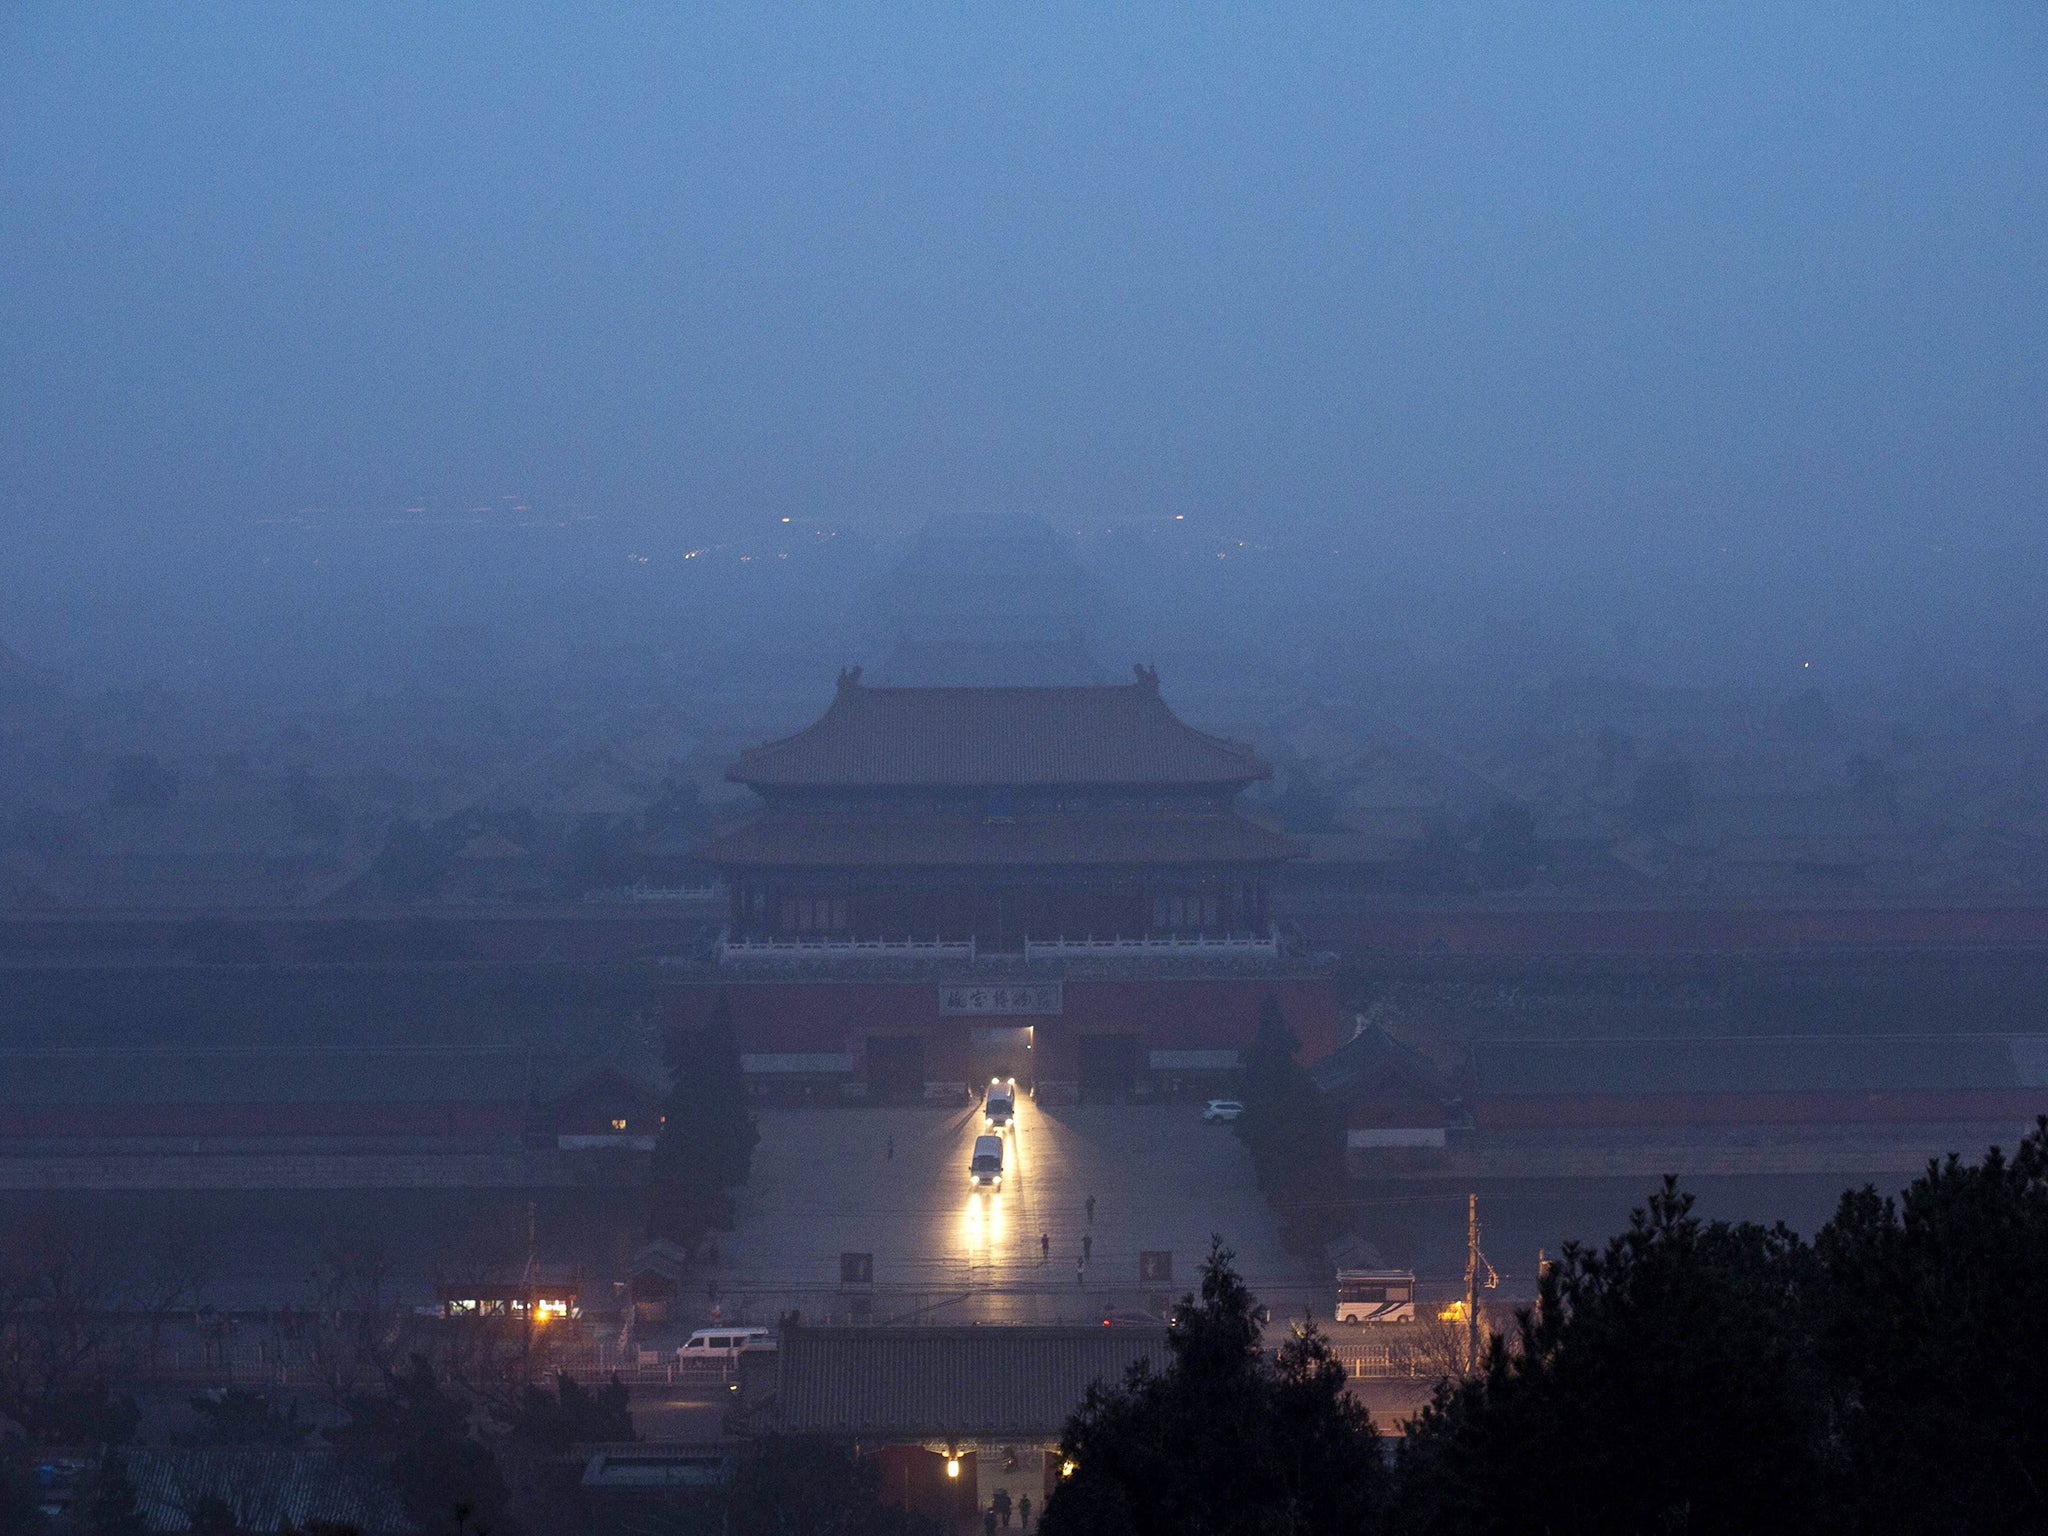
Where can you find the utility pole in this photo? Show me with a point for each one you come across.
(1471, 1283)
(532, 1279)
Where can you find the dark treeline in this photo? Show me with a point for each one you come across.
(1690, 1376)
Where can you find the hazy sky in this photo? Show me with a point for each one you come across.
(1566, 280)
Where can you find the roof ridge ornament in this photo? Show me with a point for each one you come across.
(849, 679)
(1148, 677)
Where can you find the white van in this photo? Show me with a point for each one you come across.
(999, 1104)
(987, 1167)
(717, 1346)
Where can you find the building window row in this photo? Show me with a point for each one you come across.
(1176, 913)
(814, 914)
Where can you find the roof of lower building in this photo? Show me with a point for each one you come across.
(987, 737)
(785, 835)
(1373, 1059)
(279, 1076)
(1759, 1064)
(966, 1382)
(268, 1490)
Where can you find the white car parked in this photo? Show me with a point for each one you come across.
(1222, 1109)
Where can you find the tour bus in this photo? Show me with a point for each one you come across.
(987, 1167)
(1375, 1296)
(999, 1104)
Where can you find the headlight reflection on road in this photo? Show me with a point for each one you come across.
(984, 1220)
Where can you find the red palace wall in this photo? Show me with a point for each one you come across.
(838, 1017)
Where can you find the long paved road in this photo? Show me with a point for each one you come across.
(825, 1182)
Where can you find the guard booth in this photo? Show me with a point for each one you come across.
(542, 1302)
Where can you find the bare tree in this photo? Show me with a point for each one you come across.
(359, 1330)
(175, 1276)
(61, 1288)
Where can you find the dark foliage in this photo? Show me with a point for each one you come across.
(1932, 1334)
(1295, 1136)
(419, 1432)
(105, 1504)
(598, 853)
(415, 859)
(20, 1499)
(1439, 864)
(1663, 1384)
(1224, 1439)
(708, 1134)
(1711, 1378)
(547, 1423)
(1303, 802)
(814, 1485)
(678, 816)
(211, 1515)
(237, 1416)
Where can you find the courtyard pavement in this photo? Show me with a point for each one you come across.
(825, 1182)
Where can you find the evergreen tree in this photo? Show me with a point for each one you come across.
(237, 1416)
(1225, 1439)
(1665, 1384)
(1294, 1134)
(420, 1433)
(548, 1423)
(708, 1134)
(106, 1505)
(798, 1485)
(21, 1511)
(1932, 1334)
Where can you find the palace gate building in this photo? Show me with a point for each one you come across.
(942, 884)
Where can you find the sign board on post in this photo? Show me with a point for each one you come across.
(1155, 1266)
(856, 1268)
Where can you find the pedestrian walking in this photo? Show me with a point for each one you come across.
(1044, 1248)
(988, 1521)
(1087, 1246)
(1002, 1503)
(1091, 1210)
(1080, 1271)
(892, 1149)
(1024, 1513)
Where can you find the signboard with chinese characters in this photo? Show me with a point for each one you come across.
(1024, 997)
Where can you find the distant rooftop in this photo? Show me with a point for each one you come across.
(986, 737)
